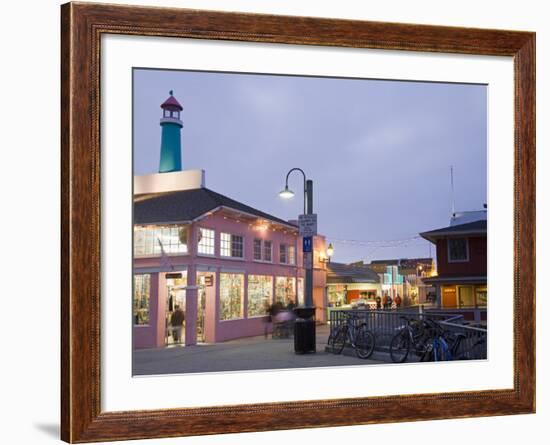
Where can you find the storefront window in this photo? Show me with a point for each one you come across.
(300, 291)
(142, 293)
(285, 290)
(260, 294)
(206, 242)
(466, 296)
(153, 240)
(481, 296)
(336, 295)
(231, 295)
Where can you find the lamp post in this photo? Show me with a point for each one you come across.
(304, 328)
(308, 210)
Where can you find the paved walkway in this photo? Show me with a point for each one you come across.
(244, 354)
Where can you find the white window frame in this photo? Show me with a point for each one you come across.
(285, 247)
(263, 250)
(467, 250)
(155, 241)
(254, 242)
(230, 257)
(213, 239)
(291, 257)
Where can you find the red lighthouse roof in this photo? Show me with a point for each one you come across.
(171, 103)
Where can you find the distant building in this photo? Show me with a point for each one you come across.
(461, 280)
(406, 266)
(220, 260)
(348, 282)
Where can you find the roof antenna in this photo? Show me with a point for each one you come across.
(452, 194)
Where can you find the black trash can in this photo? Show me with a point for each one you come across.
(304, 330)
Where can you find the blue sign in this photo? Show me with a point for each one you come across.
(308, 244)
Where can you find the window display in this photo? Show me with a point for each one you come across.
(285, 290)
(142, 293)
(231, 295)
(260, 294)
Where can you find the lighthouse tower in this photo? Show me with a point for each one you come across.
(170, 145)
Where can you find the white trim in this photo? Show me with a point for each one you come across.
(290, 226)
(197, 242)
(230, 257)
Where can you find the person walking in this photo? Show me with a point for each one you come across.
(177, 319)
(398, 301)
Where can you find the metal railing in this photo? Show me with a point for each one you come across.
(384, 324)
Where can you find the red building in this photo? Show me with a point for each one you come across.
(461, 280)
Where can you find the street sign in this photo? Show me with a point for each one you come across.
(307, 245)
(308, 260)
(307, 225)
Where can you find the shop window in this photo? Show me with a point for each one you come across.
(260, 294)
(149, 241)
(336, 295)
(142, 293)
(231, 296)
(466, 296)
(481, 296)
(231, 245)
(205, 245)
(301, 300)
(458, 250)
(285, 290)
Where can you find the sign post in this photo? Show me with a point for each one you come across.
(307, 226)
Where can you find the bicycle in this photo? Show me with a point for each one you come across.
(358, 336)
(416, 334)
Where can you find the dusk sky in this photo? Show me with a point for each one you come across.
(378, 152)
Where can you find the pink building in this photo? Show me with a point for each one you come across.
(221, 261)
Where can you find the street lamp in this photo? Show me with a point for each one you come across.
(286, 193)
(304, 328)
(324, 257)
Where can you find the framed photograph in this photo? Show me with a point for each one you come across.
(274, 222)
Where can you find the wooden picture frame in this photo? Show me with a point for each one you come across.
(82, 26)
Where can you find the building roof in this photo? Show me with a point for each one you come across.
(472, 228)
(455, 279)
(188, 205)
(404, 262)
(346, 273)
(171, 102)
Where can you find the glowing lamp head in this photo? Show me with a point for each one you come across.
(330, 250)
(286, 193)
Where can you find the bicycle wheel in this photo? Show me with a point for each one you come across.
(364, 342)
(337, 341)
(400, 346)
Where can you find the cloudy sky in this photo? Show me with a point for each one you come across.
(379, 152)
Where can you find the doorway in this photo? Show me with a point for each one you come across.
(176, 284)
